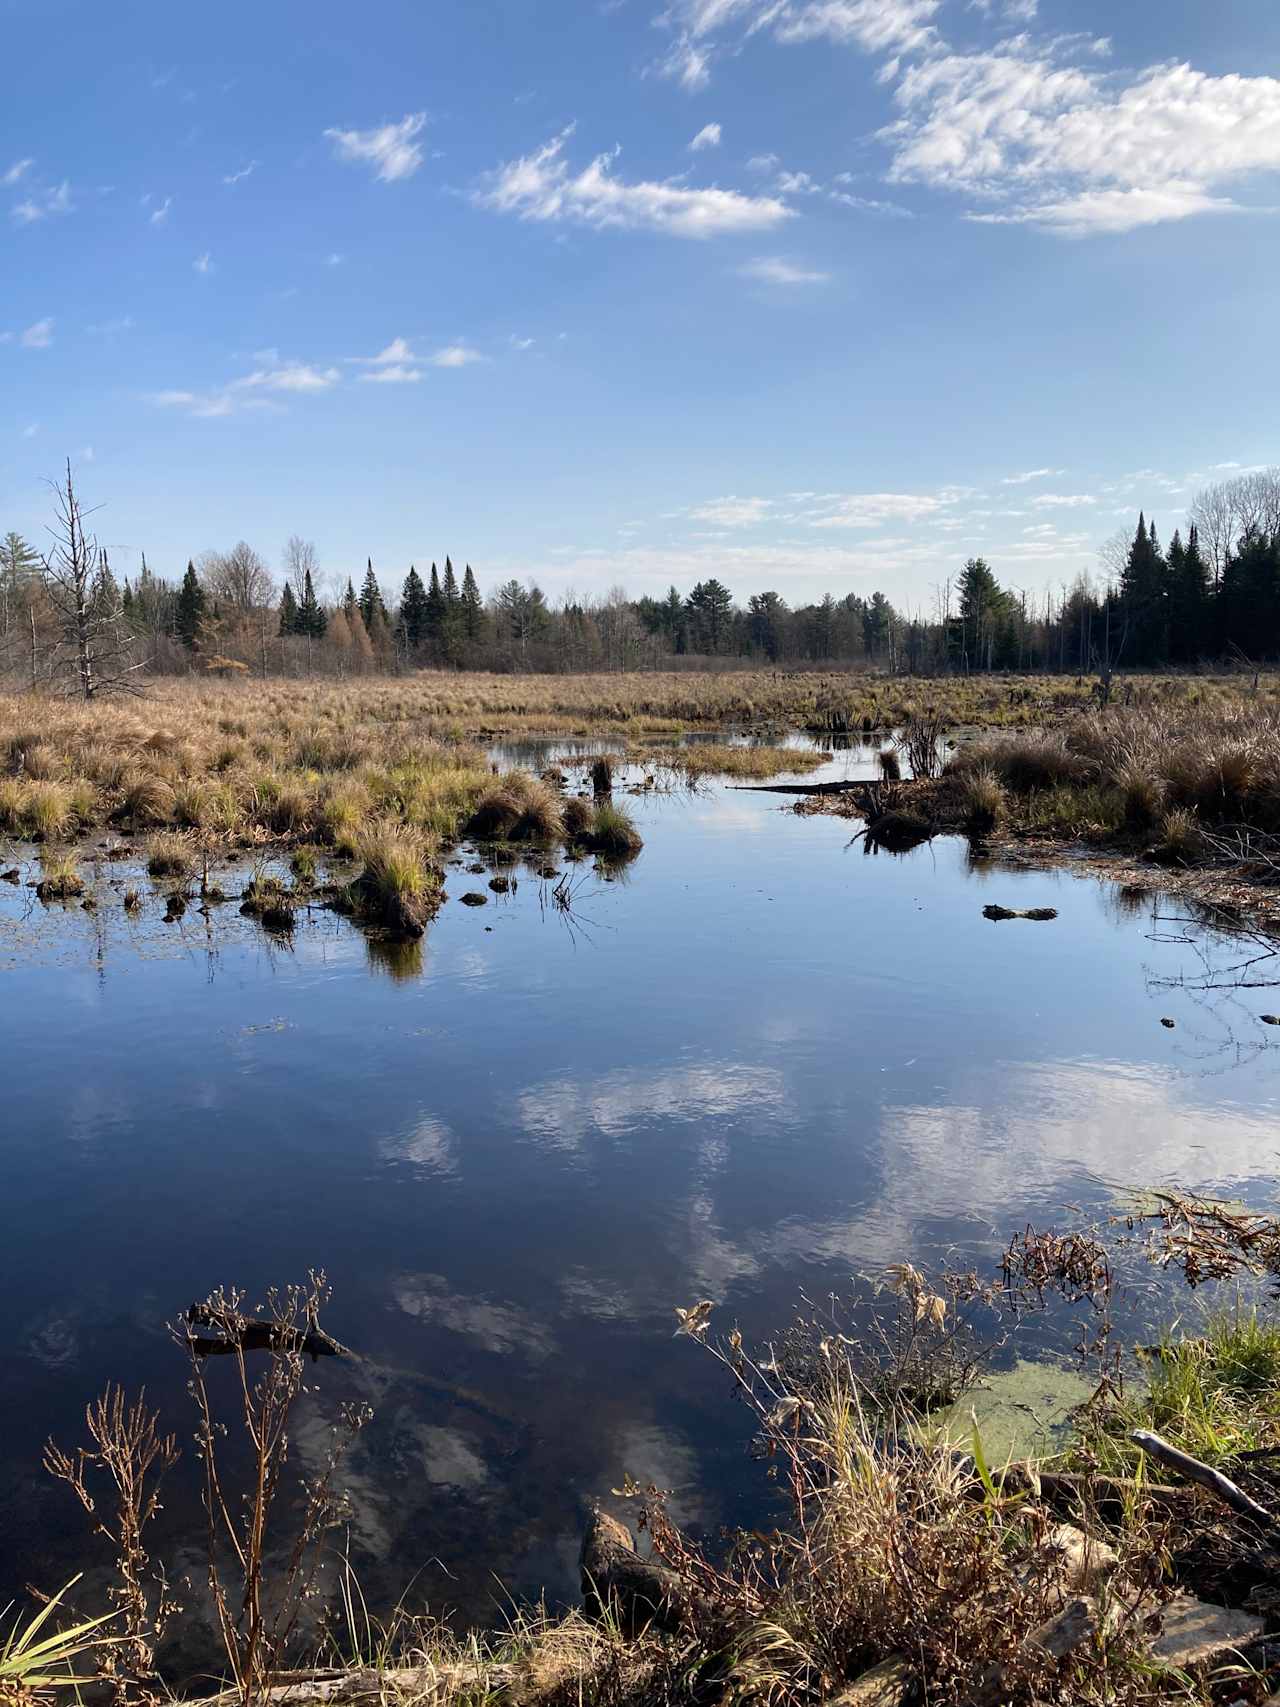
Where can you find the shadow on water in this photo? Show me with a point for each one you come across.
(743, 1065)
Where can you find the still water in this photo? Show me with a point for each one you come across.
(758, 1062)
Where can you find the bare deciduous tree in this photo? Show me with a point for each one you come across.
(300, 560)
(238, 578)
(93, 650)
(1224, 513)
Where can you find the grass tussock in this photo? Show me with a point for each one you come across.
(612, 832)
(60, 878)
(399, 887)
(982, 801)
(169, 855)
(518, 807)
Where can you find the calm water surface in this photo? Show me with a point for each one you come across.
(760, 1061)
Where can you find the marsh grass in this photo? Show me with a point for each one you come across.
(400, 885)
(705, 759)
(169, 855)
(60, 878)
(613, 832)
(1213, 1393)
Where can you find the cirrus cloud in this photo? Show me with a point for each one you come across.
(390, 149)
(542, 187)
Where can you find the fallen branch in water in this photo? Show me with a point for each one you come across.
(256, 1336)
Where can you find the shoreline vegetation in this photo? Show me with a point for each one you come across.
(1131, 1562)
(1173, 782)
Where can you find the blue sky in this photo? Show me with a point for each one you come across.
(808, 294)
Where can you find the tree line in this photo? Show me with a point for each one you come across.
(65, 619)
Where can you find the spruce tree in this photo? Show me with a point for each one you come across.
(412, 626)
(472, 606)
(435, 610)
(1144, 598)
(288, 612)
(190, 613)
(349, 601)
(371, 605)
(311, 618)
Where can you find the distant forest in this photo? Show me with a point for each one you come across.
(1211, 594)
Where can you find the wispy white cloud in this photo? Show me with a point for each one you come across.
(42, 203)
(334, 259)
(30, 431)
(159, 214)
(1063, 501)
(733, 512)
(540, 186)
(37, 337)
(1026, 478)
(390, 148)
(707, 137)
(19, 169)
(455, 355)
(255, 390)
(873, 26)
(762, 163)
(1044, 139)
(244, 172)
(203, 263)
(521, 343)
(776, 270)
(395, 373)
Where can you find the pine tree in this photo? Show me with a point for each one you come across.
(371, 605)
(433, 627)
(412, 626)
(472, 606)
(1144, 599)
(350, 604)
(288, 612)
(451, 596)
(311, 618)
(104, 595)
(190, 613)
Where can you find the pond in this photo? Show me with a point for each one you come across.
(756, 1063)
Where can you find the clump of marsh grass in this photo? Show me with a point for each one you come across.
(518, 807)
(602, 776)
(1141, 792)
(577, 816)
(60, 877)
(270, 900)
(1181, 839)
(1025, 763)
(169, 855)
(399, 887)
(47, 810)
(981, 801)
(146, 799)
(613, 832)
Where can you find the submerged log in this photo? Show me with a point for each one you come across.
(996, 912)
(256, 1336)
(616, 1581)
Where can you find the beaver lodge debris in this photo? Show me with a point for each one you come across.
(473, 899)
(996, 912)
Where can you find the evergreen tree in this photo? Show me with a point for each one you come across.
(765, 621)
(710, 608)
(104, 594)
(350, 604)
(1144, 599)
(190, 612)
(472, 606)
(371, 605)
(412, 626)
(311, 618)
(451, 595)
(435, 609)
(1188, 600)
(18, 560)
(289, 615)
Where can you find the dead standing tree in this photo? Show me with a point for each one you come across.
(92, 649)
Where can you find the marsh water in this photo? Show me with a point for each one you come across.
(754, 1065)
